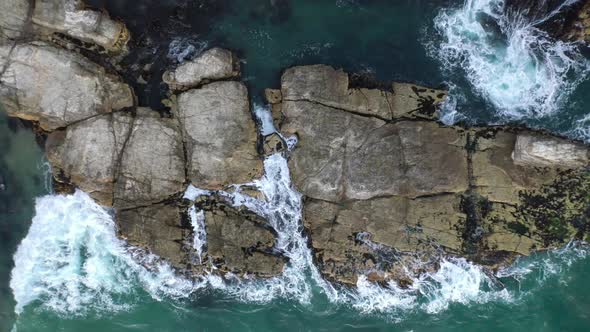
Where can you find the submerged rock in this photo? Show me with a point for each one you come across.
(390, 196)
(19, 18)
(211, 65)
(55, 87)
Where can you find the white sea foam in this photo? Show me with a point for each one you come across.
(182, 49)
(200, 234)
(518, 68)
(582, 129)
(282, 209)
(265, 117)
(71, 260)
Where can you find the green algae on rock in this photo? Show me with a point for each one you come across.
(411, 186)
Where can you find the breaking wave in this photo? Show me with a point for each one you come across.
(518, 68)
(72, 262)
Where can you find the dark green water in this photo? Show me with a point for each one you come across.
(389, 40)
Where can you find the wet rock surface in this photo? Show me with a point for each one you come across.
(384, 193)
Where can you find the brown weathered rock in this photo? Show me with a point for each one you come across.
(86, 154)
(410, 100)
(578, 27)
(220, 135)
(345, 156)
(152, 164)
(273, 96)
(211, 65)
(56, 87)
(157, 228)
(389, 198)
(239, 241)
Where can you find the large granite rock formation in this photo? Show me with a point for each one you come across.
(56, 87)
(139, 161)
(387, 192)
(21, 18)
(220, 135)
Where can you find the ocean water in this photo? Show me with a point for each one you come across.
(63, 269)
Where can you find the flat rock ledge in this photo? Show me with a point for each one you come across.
(388, 190)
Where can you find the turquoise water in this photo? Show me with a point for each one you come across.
(389, 40)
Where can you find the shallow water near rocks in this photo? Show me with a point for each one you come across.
(73, 274)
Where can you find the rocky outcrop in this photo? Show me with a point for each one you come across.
(20, 18)
(158, 228)
(139, 161)
(86, 154)
(213, 64)
(238, 240)
(385, 195)
(55, 87)
(538, 150)
(220, 135)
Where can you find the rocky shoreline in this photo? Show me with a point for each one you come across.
(388, 190)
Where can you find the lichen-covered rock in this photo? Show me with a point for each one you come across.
(387, 199)
(86, 154)
(152, 165)
(211, 65)
(56, 87)
(68, 17)
(220, 134)
(239, 241)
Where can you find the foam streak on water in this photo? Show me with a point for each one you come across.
(517, 67)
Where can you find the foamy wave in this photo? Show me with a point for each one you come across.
(518, 68)
(71, 261)
(582, 129)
